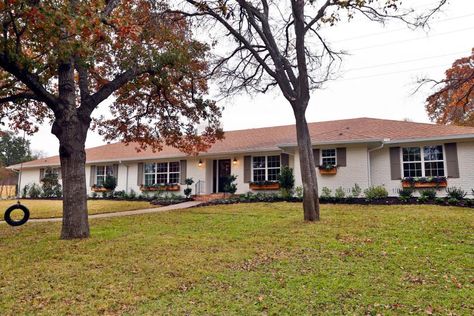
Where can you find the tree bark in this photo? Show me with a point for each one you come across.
(308, 167)
(72, 134)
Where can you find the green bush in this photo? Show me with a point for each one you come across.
(455, 193)
(229, 185)
(187, 192)
(24, 191)
(50, 186)
(326, 192)
(287, 182)
(356, 190)
(453, 201)
(422, 199)
(375, 192)
(339, 193)
(110, 183)
(429, 194)
(405, 194)
(34, 191)
(299, 192)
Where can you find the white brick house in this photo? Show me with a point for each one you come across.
(365, 151)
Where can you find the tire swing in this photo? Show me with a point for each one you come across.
(18, 206)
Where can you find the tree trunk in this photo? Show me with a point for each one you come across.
(72, 134)
(308, 168)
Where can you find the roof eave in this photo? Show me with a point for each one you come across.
(429, 139)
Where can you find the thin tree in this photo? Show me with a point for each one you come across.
(280, 44)
(60, 60)
(452, 102)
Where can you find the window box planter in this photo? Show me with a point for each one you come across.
(164, 187)
(327, 170)
(99, 189)
(264, 186)
(439, 182)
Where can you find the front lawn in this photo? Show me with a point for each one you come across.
(247, 259)
(54, 208)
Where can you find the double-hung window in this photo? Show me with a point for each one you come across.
(266, 168)
(162, 173)
(328, 157)
(101, 173)
(427, 161)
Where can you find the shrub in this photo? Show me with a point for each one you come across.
(339, 193)
(110, 183)
(439, 200)
(456, 193)
(326, 192)
(453, 201)
(230, 186)
(299, 192)
(132, 195)
(375, 192)
(50, 186)
(287, 182)
(187, 192)
(356, 190)
(120, 194)
(429, 194)
(24, 191)
(422, 199)
(94, 195)
(405, 194)
(34, 191)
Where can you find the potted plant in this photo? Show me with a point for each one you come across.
(424, 182)
(265, 185)
(327, 169)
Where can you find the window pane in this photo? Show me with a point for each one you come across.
(411, 154)
(259, 162)
(161, 178)
(273, 174)
(174, 166)
(162, 167)
(433, 153)
(100, 181)
(412, 169)
(328, 153)
(149, 179)
(149, 168)
(329, 161)
(259, 175)
(174, 178)
(110, 170)
(273, 161)
(100, 170)
(434, 169)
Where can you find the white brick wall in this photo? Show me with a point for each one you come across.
(346, 177)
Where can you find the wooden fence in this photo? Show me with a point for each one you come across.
(7, 191)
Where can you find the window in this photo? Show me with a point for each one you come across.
(101, 173)
(162, 173)
(425, 161)
(266, 168)
(328, 157)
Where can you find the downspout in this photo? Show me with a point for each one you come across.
(369, 179)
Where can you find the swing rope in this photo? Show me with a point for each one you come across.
(21, 174)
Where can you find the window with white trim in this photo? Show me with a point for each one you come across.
(266, 168)
(328, 157)
(427, 161)
(162, 172)
(101, 173)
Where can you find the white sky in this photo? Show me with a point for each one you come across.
(368, 87)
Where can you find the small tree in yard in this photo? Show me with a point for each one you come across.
(59, 60)
(287, 182)
(230, 186)
(280, 44)
(187, 192)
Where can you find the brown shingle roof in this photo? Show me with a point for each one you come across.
(270, 138)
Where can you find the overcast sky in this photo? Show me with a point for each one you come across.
(377, 78)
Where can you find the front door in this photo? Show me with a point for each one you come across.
(221, 172)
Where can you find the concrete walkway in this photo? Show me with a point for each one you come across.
(174, 207)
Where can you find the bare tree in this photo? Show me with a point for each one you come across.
(280, 44)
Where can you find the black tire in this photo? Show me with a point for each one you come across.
(10, 221)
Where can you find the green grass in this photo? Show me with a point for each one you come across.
(53, 208)
(247, 259)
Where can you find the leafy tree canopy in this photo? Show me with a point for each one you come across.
(14, 149)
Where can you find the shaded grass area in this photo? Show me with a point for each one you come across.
(246, 259)
(54, 208)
